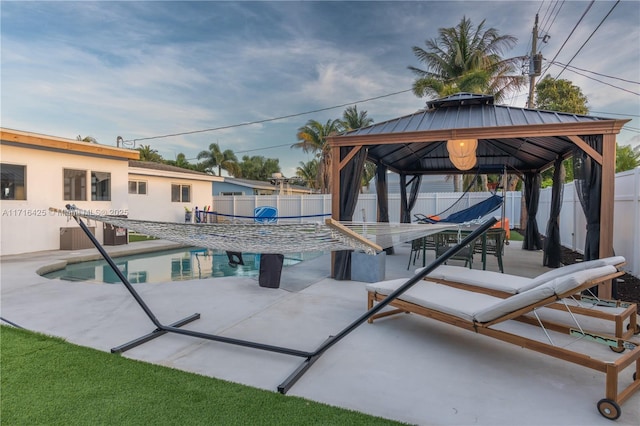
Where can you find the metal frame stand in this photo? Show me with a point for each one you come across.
(310, 357)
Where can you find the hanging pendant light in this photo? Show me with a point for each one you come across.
(462, 153)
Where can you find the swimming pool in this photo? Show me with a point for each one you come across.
(171, 265)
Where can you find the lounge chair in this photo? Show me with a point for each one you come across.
(481, 312)
(622, 314)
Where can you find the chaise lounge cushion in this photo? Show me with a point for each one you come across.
(570, 269)
(439, 297)
(513, 283)
(485, 279)
(560, 287)
(482, 308)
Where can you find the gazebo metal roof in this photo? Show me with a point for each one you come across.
(519, 138)
(526, 141)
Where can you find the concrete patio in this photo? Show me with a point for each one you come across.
(404, 367)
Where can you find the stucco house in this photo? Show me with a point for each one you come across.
(41, 171)
(161, 192)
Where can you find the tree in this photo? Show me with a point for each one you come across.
(182, 162)
(148, 154)
(312, 137)
(563, 96)
(627, 158)
(258, 168)
(368, 173)
(215, 158)
(89, 139)
(467, 59)
(308, 173)
(560, 95)
(352, 119)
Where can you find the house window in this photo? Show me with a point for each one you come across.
(232, 193)
(75, 185)
(12, 182)
(100, 186)
(138, 187)
(180, 193)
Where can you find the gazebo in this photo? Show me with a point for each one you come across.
(465, 133)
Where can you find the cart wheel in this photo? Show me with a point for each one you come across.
(636, 331)
(617, 349)
(634, 376)
(609, 409)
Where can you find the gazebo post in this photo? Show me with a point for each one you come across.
(607, 192)
(335, 195)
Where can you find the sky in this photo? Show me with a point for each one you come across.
(201, 71)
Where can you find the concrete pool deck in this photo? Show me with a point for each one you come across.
(405, 367)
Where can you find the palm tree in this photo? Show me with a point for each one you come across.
(312, 138)
(352, 119)
(182, 162)
(148, 154)
(308, 172)
(214, 157)
(368, 173)
(467, 59)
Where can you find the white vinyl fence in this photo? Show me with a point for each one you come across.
(572, 221)
(626, 218)
(314, 206)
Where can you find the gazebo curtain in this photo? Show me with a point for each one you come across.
(350, 184)
(552, 256)
(532, 183)
(408, 203)
(588, 178)
(383, 198)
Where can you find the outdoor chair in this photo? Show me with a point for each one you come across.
(494, 245)
(447, 239)
(421, 245)
(621, 314)
(488, 315)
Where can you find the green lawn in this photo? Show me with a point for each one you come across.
(137, 237)
(48, 381)
(516, 236)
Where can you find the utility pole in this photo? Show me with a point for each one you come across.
(532, 62)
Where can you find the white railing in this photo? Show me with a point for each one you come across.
(572, 221)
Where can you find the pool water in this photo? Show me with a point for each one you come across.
(172, 265)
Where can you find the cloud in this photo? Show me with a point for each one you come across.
(143, 69)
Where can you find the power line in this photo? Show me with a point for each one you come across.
(546, 31)
(614, 113)
(255, 149)
(543, 27)
(267, 119)
(569, 36)
(604, 82)
(596, 73)
(589, 38)
(260, 149)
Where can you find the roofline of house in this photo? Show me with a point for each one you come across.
(142, 171)
(258, 184)
(40, 141)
